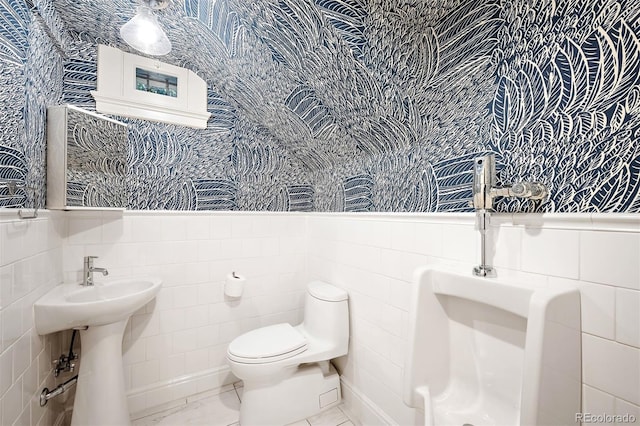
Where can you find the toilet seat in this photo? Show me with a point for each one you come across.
(267, 344)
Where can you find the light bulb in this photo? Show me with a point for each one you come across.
(143, 33)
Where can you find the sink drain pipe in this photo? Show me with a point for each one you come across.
(46, 395)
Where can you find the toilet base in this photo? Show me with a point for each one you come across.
(304, 394)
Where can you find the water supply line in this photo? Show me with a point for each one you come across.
(63, 363)
(485, 191)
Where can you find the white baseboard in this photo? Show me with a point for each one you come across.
(173, 393)
(360, 409)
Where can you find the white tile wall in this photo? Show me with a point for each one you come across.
(619, 251)
(628, 316)
(554, 252)
(598, 309)
(597, 402)
(184, 333)
(377, 273)
(611, 367)
(30, 265)
(598, 254)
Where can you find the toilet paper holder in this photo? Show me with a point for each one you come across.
(234, 285)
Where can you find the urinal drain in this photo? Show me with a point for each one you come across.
(467, 424)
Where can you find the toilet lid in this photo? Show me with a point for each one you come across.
(326, 292)
(267, 344)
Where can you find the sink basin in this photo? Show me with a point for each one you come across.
(102, 311)
(72, 305)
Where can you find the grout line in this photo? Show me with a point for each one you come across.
(235, 388)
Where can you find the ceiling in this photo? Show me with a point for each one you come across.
(332, 81)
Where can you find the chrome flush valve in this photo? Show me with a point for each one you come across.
(531, 190)
(485, 192)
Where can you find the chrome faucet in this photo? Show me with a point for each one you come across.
(89, 269)
(485, 192)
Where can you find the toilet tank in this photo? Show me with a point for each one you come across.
(326, 314)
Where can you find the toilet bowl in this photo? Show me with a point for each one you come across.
(492, 351)
(285, 369)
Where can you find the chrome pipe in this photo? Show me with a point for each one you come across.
(46, 395)
(483, 218)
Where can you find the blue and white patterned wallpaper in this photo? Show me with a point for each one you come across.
(31, 79)
(353, 105)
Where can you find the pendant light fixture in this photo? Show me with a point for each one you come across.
(143, 32)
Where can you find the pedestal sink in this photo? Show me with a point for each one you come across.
(103, 309)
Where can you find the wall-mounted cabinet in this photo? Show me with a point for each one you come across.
(86, 160)
(134, 86)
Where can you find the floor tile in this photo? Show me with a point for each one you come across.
(218, 410)
(331, 417)
(224, 410)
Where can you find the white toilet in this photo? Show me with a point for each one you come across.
(285, 369)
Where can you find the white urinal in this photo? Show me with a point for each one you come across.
(492, 351)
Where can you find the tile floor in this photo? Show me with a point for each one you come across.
(224, 410)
